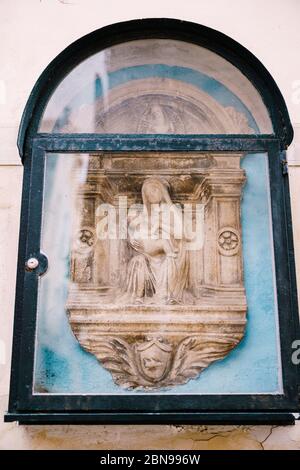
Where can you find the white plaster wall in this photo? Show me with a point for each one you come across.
(32, 33)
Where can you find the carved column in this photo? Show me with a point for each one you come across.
(223, 244)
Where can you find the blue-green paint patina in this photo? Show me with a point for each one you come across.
(209, 85)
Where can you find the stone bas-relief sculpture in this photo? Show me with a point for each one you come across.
(158, 269)
(155, 105)
(156, 312)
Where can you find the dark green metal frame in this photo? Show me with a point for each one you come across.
(26, 407)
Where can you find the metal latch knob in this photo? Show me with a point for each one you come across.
(32, 263)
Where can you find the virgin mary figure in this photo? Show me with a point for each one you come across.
(158, 269)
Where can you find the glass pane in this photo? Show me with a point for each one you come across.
(156, 86)
(152, 279)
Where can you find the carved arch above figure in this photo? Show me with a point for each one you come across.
(186, 109)
(252, 82)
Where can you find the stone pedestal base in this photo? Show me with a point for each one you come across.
(158, 346)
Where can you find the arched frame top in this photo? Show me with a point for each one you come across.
(192, 33)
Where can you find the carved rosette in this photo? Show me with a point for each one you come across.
(85, 240)
(228, 241)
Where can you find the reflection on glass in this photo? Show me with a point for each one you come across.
(156, 86)
(92, 278)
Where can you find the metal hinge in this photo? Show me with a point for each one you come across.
(284, 167)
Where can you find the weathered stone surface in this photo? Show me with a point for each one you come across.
(160, 105)
(156, 308)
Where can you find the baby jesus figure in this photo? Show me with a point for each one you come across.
(152, 235)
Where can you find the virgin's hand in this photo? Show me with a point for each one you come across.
(137, 245)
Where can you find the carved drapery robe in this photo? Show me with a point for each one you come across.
(159, 274)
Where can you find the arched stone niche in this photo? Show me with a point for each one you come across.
(156, 79)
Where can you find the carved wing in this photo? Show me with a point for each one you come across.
(118, 357)
(194, 354)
